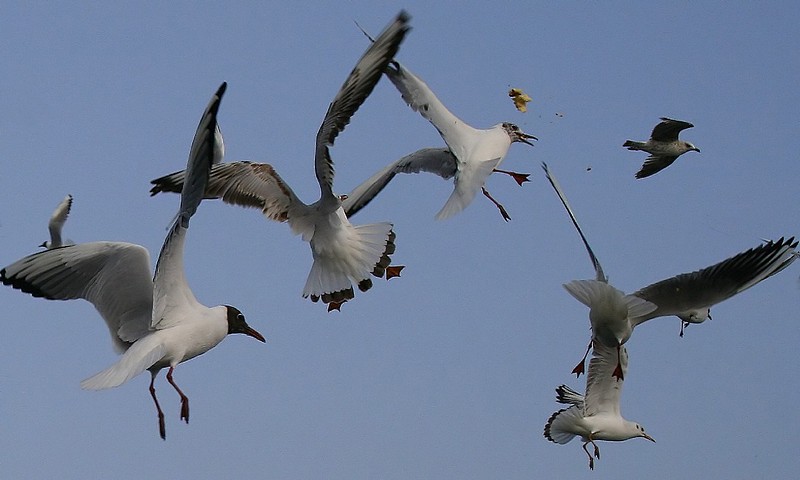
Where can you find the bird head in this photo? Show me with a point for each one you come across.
(516, 134)
(689, 147)
(237, 324)
(640, 432)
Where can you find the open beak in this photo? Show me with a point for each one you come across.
(649, 437)
(523, 137)
(250, 332)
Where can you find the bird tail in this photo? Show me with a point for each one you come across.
(557, 429)
(138, 358)
(356, 253)
(632, 145)
(589, 292)
(467, 186)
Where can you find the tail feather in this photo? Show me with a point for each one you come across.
(589, 292)
(138, 358)
(557, 427)
(350, 258)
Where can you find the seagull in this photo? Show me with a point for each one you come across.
(476, 153)
(156, 323)
(595, 416)
(343, 253)
(57, 221)
(663, 146)
(689, 296)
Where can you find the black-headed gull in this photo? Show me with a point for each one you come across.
(663, 146)
(596, 415)
(689, 296)
(343, 253)
(157, 323)
(476, 153)
(56, 223)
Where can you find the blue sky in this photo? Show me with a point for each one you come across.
(449, 371)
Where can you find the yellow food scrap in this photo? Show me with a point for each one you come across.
(520, 98)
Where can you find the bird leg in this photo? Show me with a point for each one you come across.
(579, 368)
(520, 178)
(503, 212)
(184, 398)
(618, 371)
(162, 430)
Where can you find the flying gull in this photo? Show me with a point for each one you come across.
(663, 146)
(154, 323)
(343, 253)
(689, 296)
(595, 416)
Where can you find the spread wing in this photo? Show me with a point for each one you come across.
(712, 285)
(113, 276)
(654, 164)
(246, 184)
(421, 99)
(438, 161)
(603, 390)
(170, 288)
(356, 88)
(668, 129)
(599, 274)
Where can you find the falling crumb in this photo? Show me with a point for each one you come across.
(520, 98)
(561, 115)
(589, 168)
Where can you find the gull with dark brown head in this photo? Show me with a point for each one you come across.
(344, 254)
(689, 296)
(156, 323)
(663, 146)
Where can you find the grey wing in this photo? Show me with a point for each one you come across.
(57, 221)
(438, 161)
(668, 129)
(599, 274)
(714, 284)
(654, 164)
(245, 184)
(603, 390)
(113, 276)
(205, 148)
(359, 84)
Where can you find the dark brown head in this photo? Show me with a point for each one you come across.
(237, 324)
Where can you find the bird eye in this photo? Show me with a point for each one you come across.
(240, 317)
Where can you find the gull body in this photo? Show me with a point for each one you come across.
(56, 223)
(595, 416)
(689, 296)
(343, 253)
(477, 152)
(663, 146)
(154, 323)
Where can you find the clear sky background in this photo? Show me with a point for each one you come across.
(449, 371)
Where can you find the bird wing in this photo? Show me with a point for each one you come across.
(668, 129)
(712, 285)
(356, 88)
(438, 161)
(421, 99)
(246, 184)
(170, 288)
(603, 390)
(112, 276)
(654, 164)
(57, 221)
(600, 275)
